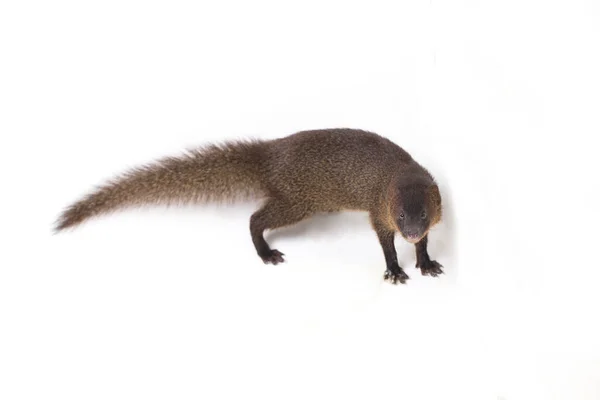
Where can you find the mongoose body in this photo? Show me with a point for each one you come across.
(298, 175)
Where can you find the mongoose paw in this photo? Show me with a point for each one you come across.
(395, 276)
(431, 268)
(273, 257)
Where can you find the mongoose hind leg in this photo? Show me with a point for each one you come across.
(424, 263)
(275, 213)
(393, 272)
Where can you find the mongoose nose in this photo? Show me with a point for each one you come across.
(411, 233)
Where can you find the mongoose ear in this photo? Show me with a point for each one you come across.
(435, 201)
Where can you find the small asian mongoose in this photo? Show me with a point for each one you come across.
(299, 175)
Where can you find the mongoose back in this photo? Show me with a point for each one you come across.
(298, 176)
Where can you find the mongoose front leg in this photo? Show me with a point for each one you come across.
(275, 213)
(393, 272)
(427, 266)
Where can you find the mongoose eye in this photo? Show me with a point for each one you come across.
(423, 215)
(401, 215)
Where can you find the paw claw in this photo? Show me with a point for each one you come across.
(273, 257)
(395, 277)
(432, 268)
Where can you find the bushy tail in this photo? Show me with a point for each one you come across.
(228, 171)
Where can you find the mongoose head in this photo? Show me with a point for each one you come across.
(417, 208)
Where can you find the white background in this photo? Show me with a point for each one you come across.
(499, 100)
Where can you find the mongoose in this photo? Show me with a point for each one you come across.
(298, 175)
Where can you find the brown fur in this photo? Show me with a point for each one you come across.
(212, 173)
(298, 175)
